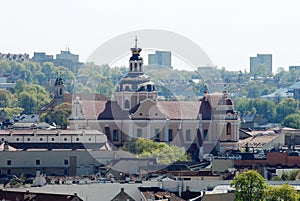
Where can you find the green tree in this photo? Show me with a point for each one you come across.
(11, 112)
(5, 98)
(257, 106)
(286, 107)
(165, 154)
(249, 186)
(31, 97)
(5, 68)
(59, 116)
(284, 192)
(28, 102)
(292, 121)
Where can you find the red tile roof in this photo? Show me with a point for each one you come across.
(111, 110)
(180, 109)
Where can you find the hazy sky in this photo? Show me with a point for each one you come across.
(229, 31)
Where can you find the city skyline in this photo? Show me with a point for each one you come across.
(229, 32)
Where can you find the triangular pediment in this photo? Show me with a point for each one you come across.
(147, 109)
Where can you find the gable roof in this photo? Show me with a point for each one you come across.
(294, 86)
(113, 111)
(22, 196)
(158, 194)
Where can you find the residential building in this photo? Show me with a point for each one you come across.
(6, 85)
(156, 193)
(59, 161)
(15, 57)
(69, 60)
(22, 195)
(279, 95)
(261, 64)
(65, 58)
(41, 57)
(160, 59)
(295, 89)
(122, 196)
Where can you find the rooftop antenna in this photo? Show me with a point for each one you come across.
(67, 47)
(135, 41)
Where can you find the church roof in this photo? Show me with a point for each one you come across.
(180, 109)
(110, 110)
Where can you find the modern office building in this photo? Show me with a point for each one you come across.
(65, 58)
(69, 60)
(41, 57)
(294, 68)
(160, 58)
(261, 64)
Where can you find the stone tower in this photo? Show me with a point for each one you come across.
(135, 86)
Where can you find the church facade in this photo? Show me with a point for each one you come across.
(203, 126)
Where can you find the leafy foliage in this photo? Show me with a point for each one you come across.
(166, 154)
(286, 107)
(59, 116)
(292, 121)
(284, 192)
(250, 186)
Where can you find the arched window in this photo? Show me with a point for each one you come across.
(126, 105)
(135, 66)
(127, 88)
(228, 129)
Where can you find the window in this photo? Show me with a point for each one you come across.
(127, 88)
(8, 162)
(139, 132)
(77, 139)
(205, 133)
(37, 162)
(66, 162)
(17, 139)
(90, 139)
(228, 129)
(41, 139)
(65, 139)
(170, 135)
(52, 139)
(2, 139)
(28, 139)
(126, 105)
(115, 135)
(156, 134)
(135, 67)
(188, 135)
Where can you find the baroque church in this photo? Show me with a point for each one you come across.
(210, 124)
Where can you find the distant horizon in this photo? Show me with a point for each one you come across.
(230, 32)
(123, 61)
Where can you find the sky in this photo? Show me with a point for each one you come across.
(228, 31)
